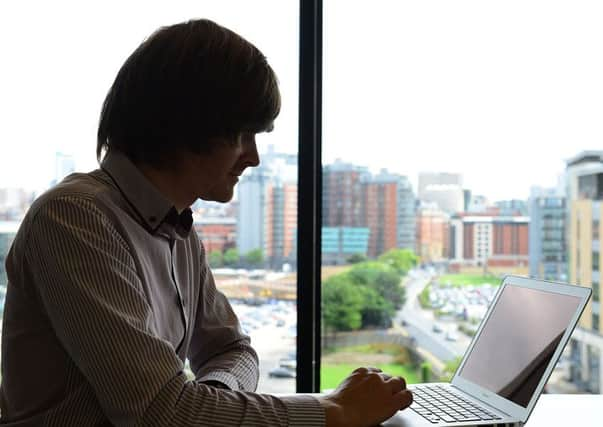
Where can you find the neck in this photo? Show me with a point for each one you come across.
(170, 184)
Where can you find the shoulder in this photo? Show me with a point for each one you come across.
(79, 197)
(78, 189)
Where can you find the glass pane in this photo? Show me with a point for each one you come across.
(447, 164)
(57, 68)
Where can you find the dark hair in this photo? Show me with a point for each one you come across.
(187, 83)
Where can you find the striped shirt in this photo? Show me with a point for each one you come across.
(109, 292)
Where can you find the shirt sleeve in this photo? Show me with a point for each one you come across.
(88, 283)
(219, 350)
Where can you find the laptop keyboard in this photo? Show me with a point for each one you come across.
(440, 404)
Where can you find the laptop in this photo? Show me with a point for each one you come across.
(508, 362)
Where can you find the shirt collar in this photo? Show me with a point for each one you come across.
(152, 206)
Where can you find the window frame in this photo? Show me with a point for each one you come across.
(309, 198)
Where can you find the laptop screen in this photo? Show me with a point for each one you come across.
(518, 341)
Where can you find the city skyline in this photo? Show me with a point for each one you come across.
(63, 164)
(420, 92)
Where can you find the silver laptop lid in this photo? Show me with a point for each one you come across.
(519, 342)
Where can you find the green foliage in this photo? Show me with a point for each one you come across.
(231, 257)
(215, 259)
(467, 330)
(366, 295)
(255, 257)
(382, 278)
(425, 370)
(342, 304)
(356, 258)
(376, 310)
(450, 368)
(400, 259)
(424, 297)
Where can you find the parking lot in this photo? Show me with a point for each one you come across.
(273, 331)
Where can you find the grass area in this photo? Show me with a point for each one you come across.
(332, 375)
(468, 279)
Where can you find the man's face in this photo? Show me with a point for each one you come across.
(217, 173)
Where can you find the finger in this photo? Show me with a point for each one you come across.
(360, 370)
(403, 380)
(365, 370)
(386, 377)
(402, 399)
(397, 384)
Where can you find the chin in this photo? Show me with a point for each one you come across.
(220, 197)
(223, 199)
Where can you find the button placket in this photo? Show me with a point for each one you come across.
(180, 298)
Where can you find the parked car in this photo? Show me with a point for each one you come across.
(289, 361)
(451, 336)
(281, 372)
(436, 328)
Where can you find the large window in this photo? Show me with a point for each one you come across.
(446, 165)
(446, 130)
(59, 60)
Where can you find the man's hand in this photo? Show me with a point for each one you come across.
(365, 398)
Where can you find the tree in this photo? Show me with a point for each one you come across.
(365, 273)
(376, 310)
(342, 304)
(400, 259)
(255, 257)
(389, 286)
(216, 259)
(231, 257)
(381, 277)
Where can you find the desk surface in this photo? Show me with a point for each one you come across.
(567, 410)
(580, 410)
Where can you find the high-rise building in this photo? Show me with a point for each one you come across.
(251, 194)
(512, 207)
(449, 197)
(387, 209)
(64, 164)
(466, 199)
(584, 180)
(446, 189)
(427, 179)
(407, 216)
(280, 225)
(548, 248)
(479, 204)
(432, 232)
(340, 243)
(490, 241)
(267, 214)
(342, 197)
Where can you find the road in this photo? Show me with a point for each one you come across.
(419, 322)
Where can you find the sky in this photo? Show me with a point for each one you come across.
(501, 92)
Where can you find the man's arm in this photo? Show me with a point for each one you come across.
(91, 290)
(219, 350)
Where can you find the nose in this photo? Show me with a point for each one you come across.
(252, 157)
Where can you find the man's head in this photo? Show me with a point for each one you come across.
(190, 88)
